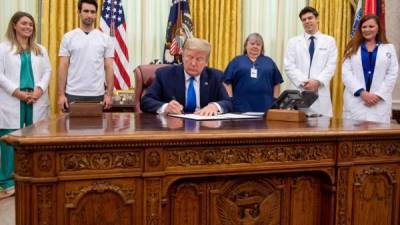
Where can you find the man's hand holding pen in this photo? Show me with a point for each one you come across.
(174, 107)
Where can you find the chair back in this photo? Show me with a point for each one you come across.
(144, 77)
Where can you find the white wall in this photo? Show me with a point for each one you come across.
(9, 7)
(393, 34)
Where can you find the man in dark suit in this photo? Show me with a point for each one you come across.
(191, 88)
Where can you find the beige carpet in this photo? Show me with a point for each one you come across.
(7, 211)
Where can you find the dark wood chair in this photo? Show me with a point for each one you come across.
(144, 77)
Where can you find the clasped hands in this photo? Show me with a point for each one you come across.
(27, 96)
(311, 85)
(176, 108)
(369, 99)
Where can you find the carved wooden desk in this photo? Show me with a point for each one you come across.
(144, 169)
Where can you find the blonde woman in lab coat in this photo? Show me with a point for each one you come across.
(369, 72)
(24, 77)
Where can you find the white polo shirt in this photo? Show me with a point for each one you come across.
(86, 75)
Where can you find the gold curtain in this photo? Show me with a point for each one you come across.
(219, 22)
(58, 17)
(335, 19)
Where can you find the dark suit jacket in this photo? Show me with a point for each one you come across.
(169, 84)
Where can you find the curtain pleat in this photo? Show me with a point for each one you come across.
(219, 22)
(335, 19)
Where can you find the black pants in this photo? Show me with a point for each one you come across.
(76, 98)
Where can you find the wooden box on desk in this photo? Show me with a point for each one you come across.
(286, 115)
(85, 109)
(84, 123)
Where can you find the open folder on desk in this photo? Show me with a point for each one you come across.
(225, 116)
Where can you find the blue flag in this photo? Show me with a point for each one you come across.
(179, 28)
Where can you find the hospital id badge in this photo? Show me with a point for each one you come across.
(253, 73)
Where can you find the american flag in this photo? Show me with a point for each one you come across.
(112, 22)
(365, 7)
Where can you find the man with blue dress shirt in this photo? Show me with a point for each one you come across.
(189, 88)
(310, 62)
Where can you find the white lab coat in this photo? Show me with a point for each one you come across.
(383, 82)
(10, 69)
(297, 67)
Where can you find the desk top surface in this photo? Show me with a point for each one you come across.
(149, 127)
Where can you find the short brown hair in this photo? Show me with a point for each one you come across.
(308, 9)
(91, 2)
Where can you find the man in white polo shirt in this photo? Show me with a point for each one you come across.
(86, 62)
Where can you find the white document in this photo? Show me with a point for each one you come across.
(260, 114)
(226, 116)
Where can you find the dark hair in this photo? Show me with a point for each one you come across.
(91, 2)
(258, 37)
(358, 39)
(308, 9)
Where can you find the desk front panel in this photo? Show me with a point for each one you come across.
(149, 169)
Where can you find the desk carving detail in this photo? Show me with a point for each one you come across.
(259, 154)
(153, 200)
(23, 163)
(45, 204)
(154, 159)
(250, 200)
(45, 162)
(376, 149)
(250, 203)
(375, 171)
(73, 197)
(374, 190)
(342, 196)
(99, 161)
(345, 151)
(103, 208)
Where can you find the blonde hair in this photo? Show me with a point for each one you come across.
(11, 35)
(198, 44)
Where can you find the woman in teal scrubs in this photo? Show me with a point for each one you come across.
(24, 77)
